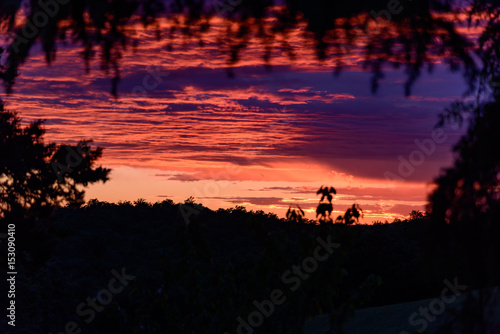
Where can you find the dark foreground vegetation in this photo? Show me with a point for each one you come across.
(200, 277)
(201, 274)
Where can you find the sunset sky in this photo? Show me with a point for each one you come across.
(263, 139)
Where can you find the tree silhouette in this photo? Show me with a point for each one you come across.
(411, 38)
(36, 178)
(416, 214)
(468, 194)
(464, 211)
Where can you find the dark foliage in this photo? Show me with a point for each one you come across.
(36, 178)
(209, 272)
(465, 208)
(411, 38)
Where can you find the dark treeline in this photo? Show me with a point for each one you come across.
(198, 270)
